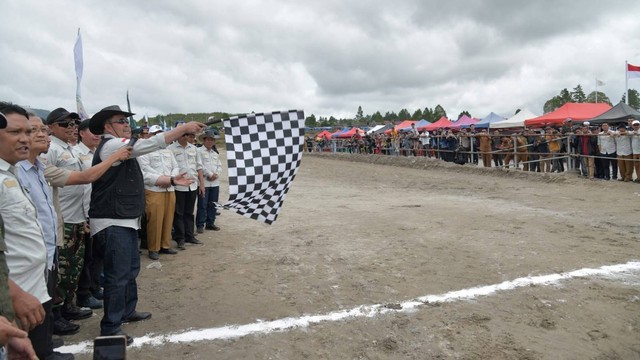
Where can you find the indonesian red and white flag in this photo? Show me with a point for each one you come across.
(633, 71)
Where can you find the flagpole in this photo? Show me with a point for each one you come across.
(596, 90)
(626, 79)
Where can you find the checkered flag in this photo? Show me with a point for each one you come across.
(263, 155)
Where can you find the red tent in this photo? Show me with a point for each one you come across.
(324, 134)
(441, 123)
(575, 111)
(350, 133)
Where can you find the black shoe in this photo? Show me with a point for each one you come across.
(194, 241)
(153, 255)
(99, 294)
(60, 356)
(72, 312)
(213, 227)
(64, 327)
(90, 302)
(181, 245)
(168, 251)
(121, 333)
(56, 342)
(137, 316)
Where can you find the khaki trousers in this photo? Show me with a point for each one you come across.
(636, 165)
(626, 167)
(159, 209)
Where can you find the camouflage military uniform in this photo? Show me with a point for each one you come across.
(6, 309)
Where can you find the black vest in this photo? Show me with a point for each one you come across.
(119, 193)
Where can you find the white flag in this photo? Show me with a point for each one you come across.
(77, 57)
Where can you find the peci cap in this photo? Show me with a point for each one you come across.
(154, 129)
(59, 115)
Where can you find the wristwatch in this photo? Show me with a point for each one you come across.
(173, 183)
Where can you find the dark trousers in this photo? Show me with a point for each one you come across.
(89, 281)
(183, 218)
(207, 207)
(118, 248)
(610, 166)
(41, 336)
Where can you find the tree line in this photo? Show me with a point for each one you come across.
(434, 114)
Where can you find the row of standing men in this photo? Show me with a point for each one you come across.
(36, 174)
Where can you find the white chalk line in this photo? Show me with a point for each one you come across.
(264, 327)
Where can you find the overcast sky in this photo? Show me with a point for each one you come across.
(325, 57)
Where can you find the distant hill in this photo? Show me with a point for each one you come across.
(41, 113)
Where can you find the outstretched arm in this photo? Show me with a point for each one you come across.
(95, 172)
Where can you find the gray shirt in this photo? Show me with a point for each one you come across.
(61, 155)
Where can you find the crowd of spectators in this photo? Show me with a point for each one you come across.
(606, 151)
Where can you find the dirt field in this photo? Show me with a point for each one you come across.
(361, 230)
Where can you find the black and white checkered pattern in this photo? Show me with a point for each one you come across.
(263, 155)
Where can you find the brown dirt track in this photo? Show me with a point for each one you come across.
(359, 230)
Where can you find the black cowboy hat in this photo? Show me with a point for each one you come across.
(96, 125)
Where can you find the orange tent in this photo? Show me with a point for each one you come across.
(324, 134)
(574, 111)
(403, 125)
(350, 133)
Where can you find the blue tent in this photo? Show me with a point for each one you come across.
(485, 121)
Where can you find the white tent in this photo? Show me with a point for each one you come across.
(374, 129)
(516, 120)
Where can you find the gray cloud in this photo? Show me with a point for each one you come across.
(326, 57)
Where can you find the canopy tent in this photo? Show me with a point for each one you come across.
(464, 121)
(334, 134)
(617, 114)
(574, 111)
(441, 123)
(384, 128)
(485, 121)
(404, 125)
(375, 129)
(350, 133)
(323, 134)
(516, 121)
(419, 124)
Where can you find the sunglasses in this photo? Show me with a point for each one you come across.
(119, 121)
(66, 124)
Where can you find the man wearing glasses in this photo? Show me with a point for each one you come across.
(117, 203)
(63, 126)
